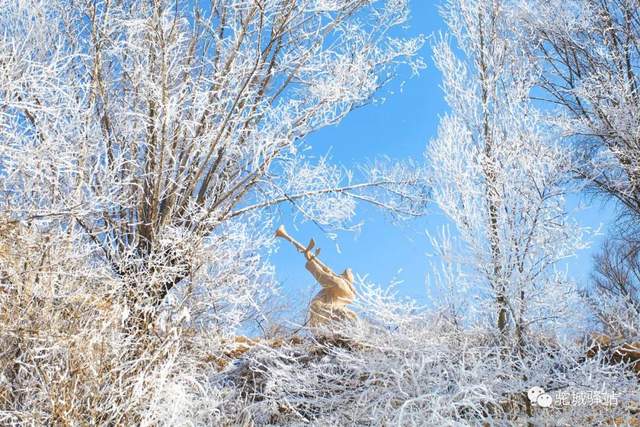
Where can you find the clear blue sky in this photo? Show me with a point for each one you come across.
(400, 127)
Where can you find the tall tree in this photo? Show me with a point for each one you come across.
(589, 54)
(151, 124)
(495, 173)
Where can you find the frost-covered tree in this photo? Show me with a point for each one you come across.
(141, 145)
(589, 52)
(150, 126)
(588, 55)
(501, 176)
(497, 174)
(615, 296)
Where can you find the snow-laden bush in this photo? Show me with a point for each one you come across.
(401, 365)
(80, 346)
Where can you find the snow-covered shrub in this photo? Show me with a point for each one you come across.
(402, 365)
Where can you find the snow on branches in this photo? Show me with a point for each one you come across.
(144, 143)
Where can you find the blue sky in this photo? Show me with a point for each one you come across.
(400, 127)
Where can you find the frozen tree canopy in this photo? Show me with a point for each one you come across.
(146, 145)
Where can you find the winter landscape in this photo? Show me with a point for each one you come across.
(320, 212)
